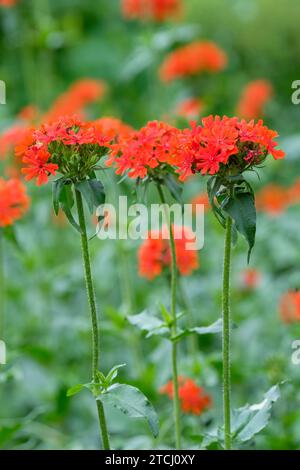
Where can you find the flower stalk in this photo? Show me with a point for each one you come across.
(226, 334)
(93, 312)
(173, 328)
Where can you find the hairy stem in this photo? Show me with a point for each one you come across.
(174, 323)
(93, 312)
(226, 334)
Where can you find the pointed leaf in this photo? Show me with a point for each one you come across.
(241, 208)
(74, 390)
(98, 191)
(132, 402)
(57, 188)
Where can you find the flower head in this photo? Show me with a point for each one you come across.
(289, 307)
(157, 10)
(140, 152)
(155, 254)
(112, 127)
(193, 398)
(68, 145)
(225, 145)
(273, 199)
(193, 59)
(250, 278)
(14, 201)
(254, 98)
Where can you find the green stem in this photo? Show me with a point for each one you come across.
(226, 334)
(176, 402)
(192, 339)
(93, 312)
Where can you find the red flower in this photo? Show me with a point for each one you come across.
(14, 201)
(193, 398)
(158, 10)
(139, 152)
(189, 108)
(112, 127)
(11, 138)
(272, 199)
(8, 3)
(250, 278)
(155, 255)
(38, 165)
(192, 59)
(68, 135)
(224, 143)
(289, 307)
(76, 98)
(253, 99)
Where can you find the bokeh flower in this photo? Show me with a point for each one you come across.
(112, 127)
(193, 399)
(250, 278)
(80, 94)
(202, 199)
(190, 108)
(14, 201)
(253, 99)
(154, 254)
(272, 199)
(289, 307)
(8, 3)
(157, 10)
(195, 58)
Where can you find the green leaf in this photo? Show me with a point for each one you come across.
(166, 315)
(112, 374)
(67, 201)
(132, 402)
(57, 188)
(146, 322)
(214, 328)
(213, 186)
(251, 419)
(174, 187)
(74, 390)
(98, 191)
(87, 193)
(241, 208)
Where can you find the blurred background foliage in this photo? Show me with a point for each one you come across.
(46, 46)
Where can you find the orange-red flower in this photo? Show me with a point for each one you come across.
(158, 10)
(155, 254)
(68, 145)
(139, 152)
(289, 307)
(14, 201)
(254, 98)
(10, 138)
(29, 113)
(112, 127)
(189, 108)
(250, 278)
(201, 198)
(76, 98)
(8, 3)
(224, 144)
(193, 398)
(192, 59)
(272, 199)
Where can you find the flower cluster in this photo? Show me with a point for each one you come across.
(155, 254)
(290, 307)
(14, 201)
(225, 145)
(192, 59)
(193, 398)
(254, 98)
(68, 145)
(157, 10)
(74, 100)
(140, 152)
(112, 127)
